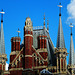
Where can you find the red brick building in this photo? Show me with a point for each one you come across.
(25, 58)
(36, 54)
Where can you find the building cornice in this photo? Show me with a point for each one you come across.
(29, 35)
(14, 69)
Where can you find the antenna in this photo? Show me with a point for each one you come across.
(71, 27)
(18, 32)
(60, 6)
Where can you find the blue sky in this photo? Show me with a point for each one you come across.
(16, 12)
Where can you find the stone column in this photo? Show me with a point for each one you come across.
(2, 66)
(60, 62)
(72, 71)
(57, 64)
(63, 64)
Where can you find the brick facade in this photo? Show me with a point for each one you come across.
(28, 60)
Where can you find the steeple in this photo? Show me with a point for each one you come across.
(44, 25)
(71, 55)
(47, 24)
(44, 19)
(2, 43)
(60, 37)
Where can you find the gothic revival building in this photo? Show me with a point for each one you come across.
(37, 55)
(26, 58)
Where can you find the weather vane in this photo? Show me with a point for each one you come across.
(71, 27)
(60, 6)
(18, 32)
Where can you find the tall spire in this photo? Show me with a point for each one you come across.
(60, 37)
(44, 25)
(71, 55)
(47, 24)
(2, 42)
(44, 19)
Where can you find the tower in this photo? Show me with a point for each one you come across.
(71, 65)
(28, 42)
(15, 47)
(61, 51)
(3, 56)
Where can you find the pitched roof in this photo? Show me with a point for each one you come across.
(50, 46)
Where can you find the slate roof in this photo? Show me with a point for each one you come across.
(2, 42)
(50, 46)
(60, 37)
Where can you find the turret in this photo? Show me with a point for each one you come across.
(15, 44)
(15, 47)
(28, 42)
(42, 41)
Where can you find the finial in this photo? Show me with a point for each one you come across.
(44, 19)
(2, 15)
(71, 28)
(18, 32)
(47, 24)
(59, 9)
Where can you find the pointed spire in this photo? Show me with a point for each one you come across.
(60, 37)
(71, 55)
(44, 19)
(47, 24)
(2, 42)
